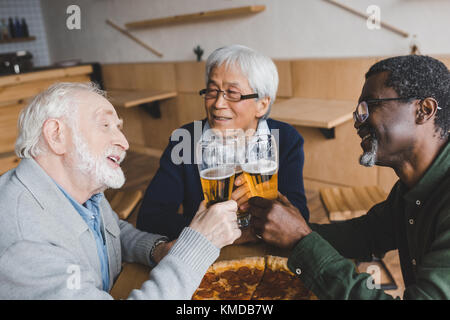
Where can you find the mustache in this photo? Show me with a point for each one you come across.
(115, 151)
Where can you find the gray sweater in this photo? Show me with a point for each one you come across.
(47, 251)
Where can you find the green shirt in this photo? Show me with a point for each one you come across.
(415, 221)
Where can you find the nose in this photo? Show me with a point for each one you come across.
(220, 102)
(121, 141)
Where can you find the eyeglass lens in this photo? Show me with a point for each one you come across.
(362, 112)
(228, 95)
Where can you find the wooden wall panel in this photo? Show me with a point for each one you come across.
(141, 129)
(339, 79)
(153, 76)
(8, 126)
(26, 90)
(190, 108)
(285, 78)
(8, 161)
(190, 76)
(335, 161)
(158, 131)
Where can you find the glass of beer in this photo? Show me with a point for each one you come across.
(261, 166)
(243, 217)
(216, 168)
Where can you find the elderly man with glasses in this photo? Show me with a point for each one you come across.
(403, 119)
(241, 86)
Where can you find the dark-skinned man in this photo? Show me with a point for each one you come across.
(403, 121)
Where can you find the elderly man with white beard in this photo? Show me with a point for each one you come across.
(59, 237)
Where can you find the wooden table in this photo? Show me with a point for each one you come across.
(322, 114)
(133, 98)
(134, 275)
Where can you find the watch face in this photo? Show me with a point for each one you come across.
(157, 242)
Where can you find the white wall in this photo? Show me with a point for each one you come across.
(286, 29)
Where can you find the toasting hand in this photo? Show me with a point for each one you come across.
(277, 221)
(218, 223)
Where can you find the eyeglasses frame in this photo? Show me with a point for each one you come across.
(243, 97)
(356, 117)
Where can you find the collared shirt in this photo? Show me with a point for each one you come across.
(90, 212)
(415, 221)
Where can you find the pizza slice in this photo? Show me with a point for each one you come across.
(231, 280)
(279, 283)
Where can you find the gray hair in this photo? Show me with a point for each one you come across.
(261, 72)
(58, 101)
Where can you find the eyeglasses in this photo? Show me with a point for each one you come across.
(362, 110)
(227, 95)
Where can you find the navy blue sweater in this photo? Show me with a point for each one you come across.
(175, 185)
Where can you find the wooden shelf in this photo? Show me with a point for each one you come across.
(18, 40)
(322, 114)
(200, 16)
(21, 78)
(315, 113)
(133, 98)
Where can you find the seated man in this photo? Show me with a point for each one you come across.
(59, 238)
(234, 75)
(403, 120)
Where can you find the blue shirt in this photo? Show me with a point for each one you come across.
(90, 213)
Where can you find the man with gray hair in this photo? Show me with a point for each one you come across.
(59, 237)
(240, 88)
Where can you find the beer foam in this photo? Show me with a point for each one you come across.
(217, 173)
(262, 166)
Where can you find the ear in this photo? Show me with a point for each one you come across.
(55, 135)
(262, 106)
(426, 110)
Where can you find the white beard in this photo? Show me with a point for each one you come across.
(369, 158)
(98, 168)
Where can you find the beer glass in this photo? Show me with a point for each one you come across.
(239, 142)
(216, 168)
(261, 166)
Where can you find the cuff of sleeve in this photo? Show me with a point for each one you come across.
(309, 257)
(195, 250)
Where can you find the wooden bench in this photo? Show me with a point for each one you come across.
(343, 203)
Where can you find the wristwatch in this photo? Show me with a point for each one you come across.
(157, 243)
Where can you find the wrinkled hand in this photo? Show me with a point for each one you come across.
(218, 223)
(277, 221)
(242, 193)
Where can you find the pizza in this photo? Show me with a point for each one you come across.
(253, 278)
(279, 283)
(231, 280)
